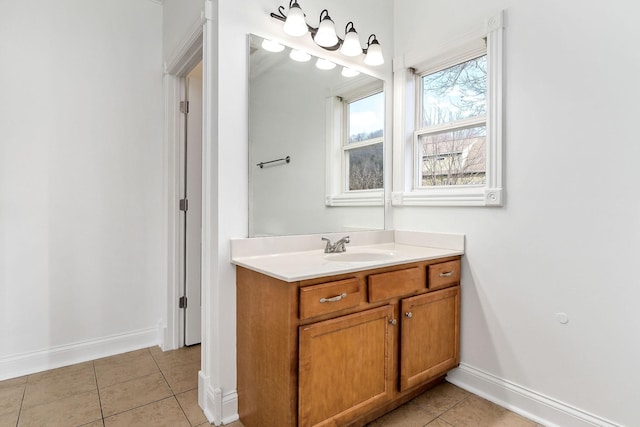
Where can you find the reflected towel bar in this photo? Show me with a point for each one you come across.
(285, 159)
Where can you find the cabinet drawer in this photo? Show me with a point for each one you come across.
(328, 297)
(444, 274)
(396, 283)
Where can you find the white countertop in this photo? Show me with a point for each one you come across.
(292, 266)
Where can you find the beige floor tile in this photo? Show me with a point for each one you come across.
(441, 398)
(59, 383)
(98, 423)
(189, 403)
(177, 357)
(74, 410)
(130, 394)
(439, 422)
(182, 378)
(408, 415)
(11, 399)
(124, 367)
(13, 382)
(165, 413)
(477, 412)
(9, 420)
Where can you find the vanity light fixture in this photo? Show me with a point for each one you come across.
(295, 24)
(325, 34)
(374, 52)
(351, 44)
(272, 46)
(298, 55)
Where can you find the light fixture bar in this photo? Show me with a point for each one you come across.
(325, 35)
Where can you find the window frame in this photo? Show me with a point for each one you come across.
(337, 178)
(407, 190)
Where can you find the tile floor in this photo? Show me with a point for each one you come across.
(151, 388)
(141, 388)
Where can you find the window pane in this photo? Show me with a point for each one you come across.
(455, 93)
(365, 167)
(453, 157)
(366, 118)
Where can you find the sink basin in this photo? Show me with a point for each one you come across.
(360, 256)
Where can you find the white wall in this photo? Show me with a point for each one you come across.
(81, 253)
(565, 241)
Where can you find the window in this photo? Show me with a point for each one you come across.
(451, 125)
(454, 153)
(355, 149)
(362, 145)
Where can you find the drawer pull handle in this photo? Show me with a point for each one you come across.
(409, 314)
(334, 299)
(393, 322)
(447, 274)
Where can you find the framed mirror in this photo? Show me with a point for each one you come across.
(316, 142)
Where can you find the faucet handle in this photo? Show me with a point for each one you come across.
(329, 246)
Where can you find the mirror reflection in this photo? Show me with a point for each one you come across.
(316, 133)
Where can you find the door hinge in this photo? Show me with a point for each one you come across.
(184, 205)
(182, 302)
(184, 107)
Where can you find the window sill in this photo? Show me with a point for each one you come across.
(468, 196)
(364, 198)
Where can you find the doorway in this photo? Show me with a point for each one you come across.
(190, 206)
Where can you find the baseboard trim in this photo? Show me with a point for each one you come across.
(220, 409)
(64, 355)
(542, 409)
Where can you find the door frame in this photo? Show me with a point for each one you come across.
(188, 54)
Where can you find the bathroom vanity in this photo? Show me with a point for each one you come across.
(341, 342)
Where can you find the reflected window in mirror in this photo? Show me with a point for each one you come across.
(355, 146)
(362, 145)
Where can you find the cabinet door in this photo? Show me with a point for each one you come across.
(429, 336)
(345, 367)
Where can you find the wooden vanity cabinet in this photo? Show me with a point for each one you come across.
(345, 367)
(343, 350)
(430, 336)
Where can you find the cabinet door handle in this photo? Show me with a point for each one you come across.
(409, 314)
(334, 299)
(393, 322)
(447, 274)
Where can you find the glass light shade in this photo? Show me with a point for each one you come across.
(295, 25)
(374, 54)
(326, 35)
(351, 45)
(349, 72)
(298, 55)
(272, 46)
(323, 64)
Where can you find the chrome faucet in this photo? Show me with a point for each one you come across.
(338, 246)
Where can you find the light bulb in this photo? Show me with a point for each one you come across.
(272, 46)
(295, 25)
(326, 35)
(324, 64)
(349, 72)
(374, 53)
(351, 45)
(298, 55)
